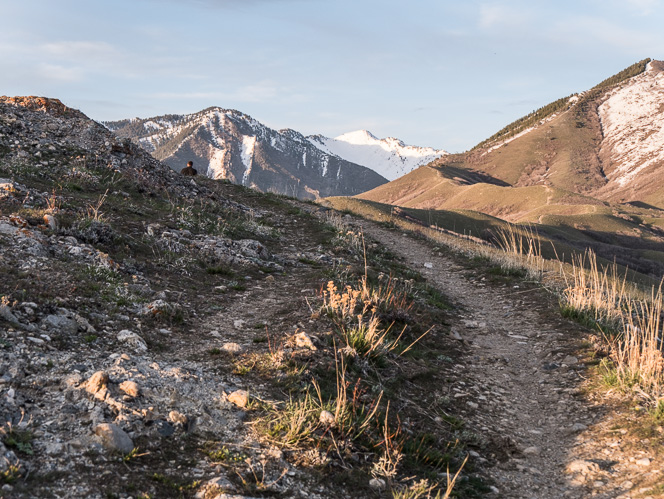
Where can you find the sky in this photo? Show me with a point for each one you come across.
(438, 73)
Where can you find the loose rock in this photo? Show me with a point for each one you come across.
(114, 438)
(240, 398)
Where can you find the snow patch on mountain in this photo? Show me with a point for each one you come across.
(217, 164)
(632, 121)
(247, 155)
(389, 157)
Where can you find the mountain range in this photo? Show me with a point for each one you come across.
(585, 170)
(228, 144)
(605, 145)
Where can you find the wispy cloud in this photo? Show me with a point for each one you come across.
(60, 73)
(644, 7)
(75, 50)
(502, 16)
(258, 92)
(586, 30)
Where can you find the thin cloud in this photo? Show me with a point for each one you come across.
(644, 7)
(590, 30)
(500, 16)
(58, 73)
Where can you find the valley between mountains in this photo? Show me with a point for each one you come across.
(486, 325)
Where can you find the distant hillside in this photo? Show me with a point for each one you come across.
(589, 169)
(227, 144)
(606, 144)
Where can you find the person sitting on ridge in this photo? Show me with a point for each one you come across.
(189, 170)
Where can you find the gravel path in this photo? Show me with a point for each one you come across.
(521, 379)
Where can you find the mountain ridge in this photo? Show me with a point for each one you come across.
(389, 156)
(232, 145)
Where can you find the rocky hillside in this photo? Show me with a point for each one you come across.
(162, 336)
(227, 144)
(390, 156)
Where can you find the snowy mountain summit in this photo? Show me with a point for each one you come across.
(228, 144)
(389, 157)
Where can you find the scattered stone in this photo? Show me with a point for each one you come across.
(133, 340)
(238, 324)
(158, 308)
(532, 451)
(232, 348)
(455, 334)
(97, 382)
(428, 265)
(644, 461)
(326, 418)
(131, 388)
(114, 438)
(164, 428)
(83, 324)
(6, 185)
(49, 221)
(377, 483)
(583, 467)
(178, 418)
(61, 323)
(240, 398)
(577, 427)
(570, 360)
(215, 488)
(303, 340)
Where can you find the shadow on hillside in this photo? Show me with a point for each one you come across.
(641, 204)
(642, 257)
(470, 176)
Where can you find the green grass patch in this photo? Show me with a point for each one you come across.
(223, 270)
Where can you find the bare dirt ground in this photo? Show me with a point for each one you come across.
(525, 387)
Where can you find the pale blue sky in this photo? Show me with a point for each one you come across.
(437, 73)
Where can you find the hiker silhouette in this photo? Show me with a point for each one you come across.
(189, 170)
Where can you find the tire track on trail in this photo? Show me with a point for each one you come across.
(519, 384)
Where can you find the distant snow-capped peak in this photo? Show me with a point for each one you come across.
(389, 157)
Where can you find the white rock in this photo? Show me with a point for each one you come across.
(239, 397)
(114, 438)
(326, 418)
(583, 467)
(133, 340)
(428, 265)
(644, 461)
(233, 348)
(303, 340)
(377, 483)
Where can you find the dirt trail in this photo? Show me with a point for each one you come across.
(520, 379)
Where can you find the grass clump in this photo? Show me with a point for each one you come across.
(311, 418)
(359, 313)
